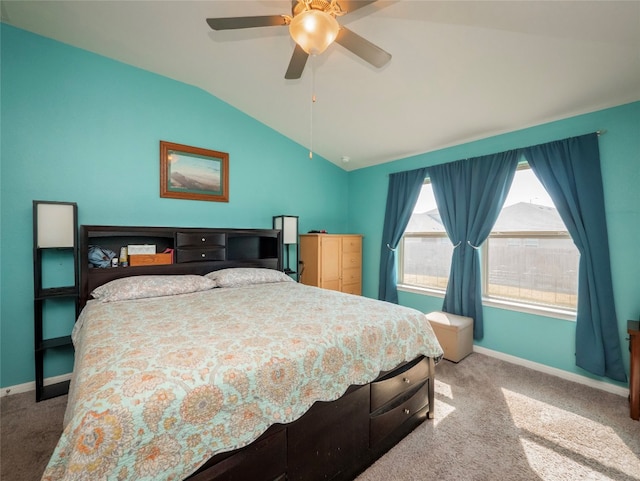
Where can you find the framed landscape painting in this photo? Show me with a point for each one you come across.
(193, 173)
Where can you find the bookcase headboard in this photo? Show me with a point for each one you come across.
(196, 250)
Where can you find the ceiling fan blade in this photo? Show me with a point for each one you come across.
(362, 48)
(232, 23)
(349, 6)
(297, 63)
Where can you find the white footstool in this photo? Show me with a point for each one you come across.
(454, 333)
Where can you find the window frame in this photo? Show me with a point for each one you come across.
(413, 287)
(431, 290)
(514, 304)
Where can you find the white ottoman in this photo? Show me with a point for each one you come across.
(454, 333)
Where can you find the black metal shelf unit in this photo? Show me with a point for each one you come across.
(55, 228)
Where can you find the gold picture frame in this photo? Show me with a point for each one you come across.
(193, 173)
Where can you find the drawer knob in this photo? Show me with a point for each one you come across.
(406, 380)
(204, 239)
(202, 255)
(406, 411)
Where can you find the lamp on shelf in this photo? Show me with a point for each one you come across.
(55, 224)
(55, 227)
(288, 224)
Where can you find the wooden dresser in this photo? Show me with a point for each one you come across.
(332, 261)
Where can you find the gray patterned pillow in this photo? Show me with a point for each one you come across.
(245, 276)
(139, 287)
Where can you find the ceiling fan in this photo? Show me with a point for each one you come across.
(313, 26)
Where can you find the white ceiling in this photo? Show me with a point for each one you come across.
(461, 70)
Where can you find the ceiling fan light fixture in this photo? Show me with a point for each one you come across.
(314, 30)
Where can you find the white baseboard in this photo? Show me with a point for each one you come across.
(569, 376)
(31, 386)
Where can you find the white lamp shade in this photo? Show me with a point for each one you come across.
(289, 227)
(56, 225)
(314, 30)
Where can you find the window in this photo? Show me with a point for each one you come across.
(425, 248)
(529, 257)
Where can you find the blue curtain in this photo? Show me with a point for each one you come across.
(470, 194)
(404, 189)
(570, 171)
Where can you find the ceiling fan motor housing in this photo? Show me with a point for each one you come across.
(330, 7)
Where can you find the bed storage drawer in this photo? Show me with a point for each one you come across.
(398, 382)
(199, 239)
(394, 415)
(200, 246)
(198, 255)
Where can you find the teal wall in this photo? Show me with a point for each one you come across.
(536, 338)
(83, 128)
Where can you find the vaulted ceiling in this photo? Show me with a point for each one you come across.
(460, 70)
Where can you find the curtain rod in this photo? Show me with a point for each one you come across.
(599, 133)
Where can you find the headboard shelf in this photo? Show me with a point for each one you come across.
(197, 250)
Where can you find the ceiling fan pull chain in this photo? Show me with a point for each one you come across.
(313, 101)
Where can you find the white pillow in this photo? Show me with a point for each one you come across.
(139, 287)
(245, 276)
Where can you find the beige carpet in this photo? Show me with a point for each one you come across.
(29, 432)
(494, 421)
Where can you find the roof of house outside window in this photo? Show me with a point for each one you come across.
(523, 216)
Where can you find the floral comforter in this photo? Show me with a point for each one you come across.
(162, 384)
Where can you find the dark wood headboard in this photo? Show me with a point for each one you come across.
(196, 251)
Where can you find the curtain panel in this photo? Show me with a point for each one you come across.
(570, 171)
(404, 189)
(470, 194)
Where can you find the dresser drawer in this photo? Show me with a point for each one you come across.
(398, 382)
(352, 276)
(351, 260)
(200, 255)
(355, 289)
(383, 424)
(202, 239)
(352, 244)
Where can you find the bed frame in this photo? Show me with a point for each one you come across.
(334, 440)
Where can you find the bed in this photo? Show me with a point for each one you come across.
(221, 367)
